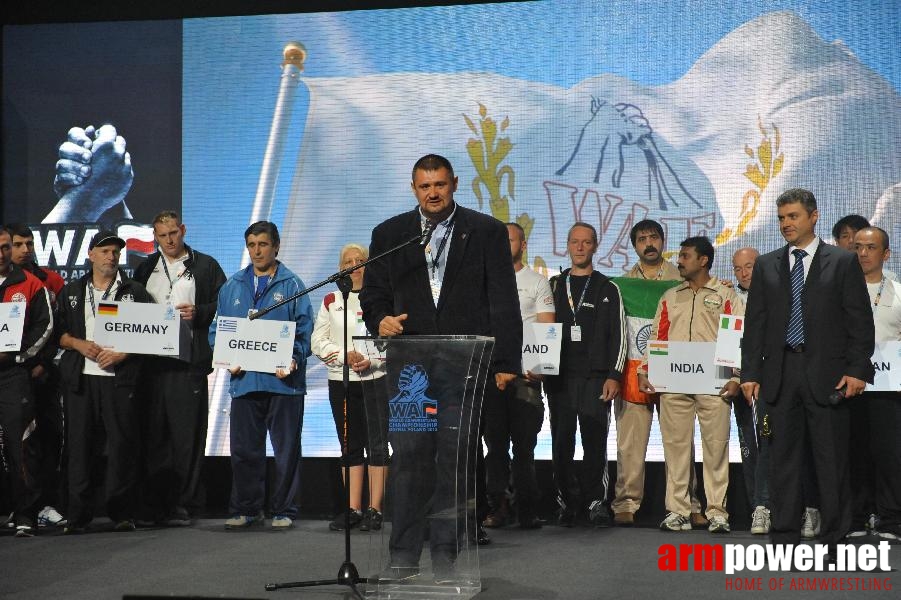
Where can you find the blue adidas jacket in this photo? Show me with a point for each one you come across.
(236, 299)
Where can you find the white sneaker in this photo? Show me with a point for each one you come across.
(675, 522)
(810, 526)
(282, 522)
(760, 521)
(718, 524)
(49, 517)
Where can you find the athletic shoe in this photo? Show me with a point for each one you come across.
(810, 526)
(25, 531)
(760, 521)
(282, 522)
(125, 525)
(356, 517)
(372, 520)
(566, 517)
(243, 521)
(49, 517)
(675, 522)
(890, 532)
(718, 524)
(598, 515)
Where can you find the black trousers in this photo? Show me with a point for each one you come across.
(577, 400)
(754, 455)
(509, 417)
(367, 421)
(175, 427)
(17, 413)
(50, 433)
(102, 418)
(876, 457)
(795, 418)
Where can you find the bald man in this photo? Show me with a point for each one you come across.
(743, 265)
(753, 455)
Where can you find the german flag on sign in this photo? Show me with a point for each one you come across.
(108, 310)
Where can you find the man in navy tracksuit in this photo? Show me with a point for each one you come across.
(266, 401)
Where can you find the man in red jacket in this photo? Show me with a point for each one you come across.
(20, 290)
(45, 386)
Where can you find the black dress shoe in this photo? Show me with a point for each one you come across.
(482, 538)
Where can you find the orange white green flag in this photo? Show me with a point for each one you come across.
(640, 300)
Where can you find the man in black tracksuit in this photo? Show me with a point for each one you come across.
(24, 293)
(589, 306)
(175, 423)
(100, 387)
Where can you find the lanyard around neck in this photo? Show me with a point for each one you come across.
(569, 295)
(434, 260)
(168, 276)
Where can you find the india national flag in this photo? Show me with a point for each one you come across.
(640, 299)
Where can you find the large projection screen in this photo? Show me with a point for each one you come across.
(694, 114)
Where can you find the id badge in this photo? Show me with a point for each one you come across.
(575, 333)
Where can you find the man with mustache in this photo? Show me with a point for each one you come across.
(635, 414)
(690, 313)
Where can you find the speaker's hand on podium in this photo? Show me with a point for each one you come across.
(391, 326)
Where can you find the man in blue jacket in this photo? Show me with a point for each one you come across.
(264, 402)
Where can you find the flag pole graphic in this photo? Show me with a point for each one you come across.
(294, 56)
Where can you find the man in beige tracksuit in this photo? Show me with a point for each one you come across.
(690, 313)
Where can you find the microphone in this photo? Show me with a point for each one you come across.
(837, 396)
(427, 233)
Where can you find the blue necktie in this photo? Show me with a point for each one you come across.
(795, 334)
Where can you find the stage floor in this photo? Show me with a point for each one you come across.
(207, 561)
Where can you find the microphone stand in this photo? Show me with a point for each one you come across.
(348, 574)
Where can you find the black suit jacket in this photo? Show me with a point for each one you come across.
(838, 322)
(478, 293)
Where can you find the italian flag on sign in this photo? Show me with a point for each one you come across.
(640, 299)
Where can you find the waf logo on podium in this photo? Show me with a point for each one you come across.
(411, 409)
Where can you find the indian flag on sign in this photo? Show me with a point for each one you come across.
(640, 299)
(107, 310)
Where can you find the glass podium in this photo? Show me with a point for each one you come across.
(433, 386)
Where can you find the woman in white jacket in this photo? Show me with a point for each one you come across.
(366, 416)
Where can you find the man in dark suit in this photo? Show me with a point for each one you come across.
(461, 283)
(805, 356)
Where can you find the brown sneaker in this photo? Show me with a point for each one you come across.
(624, 519)
(698, 520)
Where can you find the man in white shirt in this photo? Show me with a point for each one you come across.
(177, 404)
(517, 413)
(876, 417)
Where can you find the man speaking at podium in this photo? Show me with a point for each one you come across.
(460, 283)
